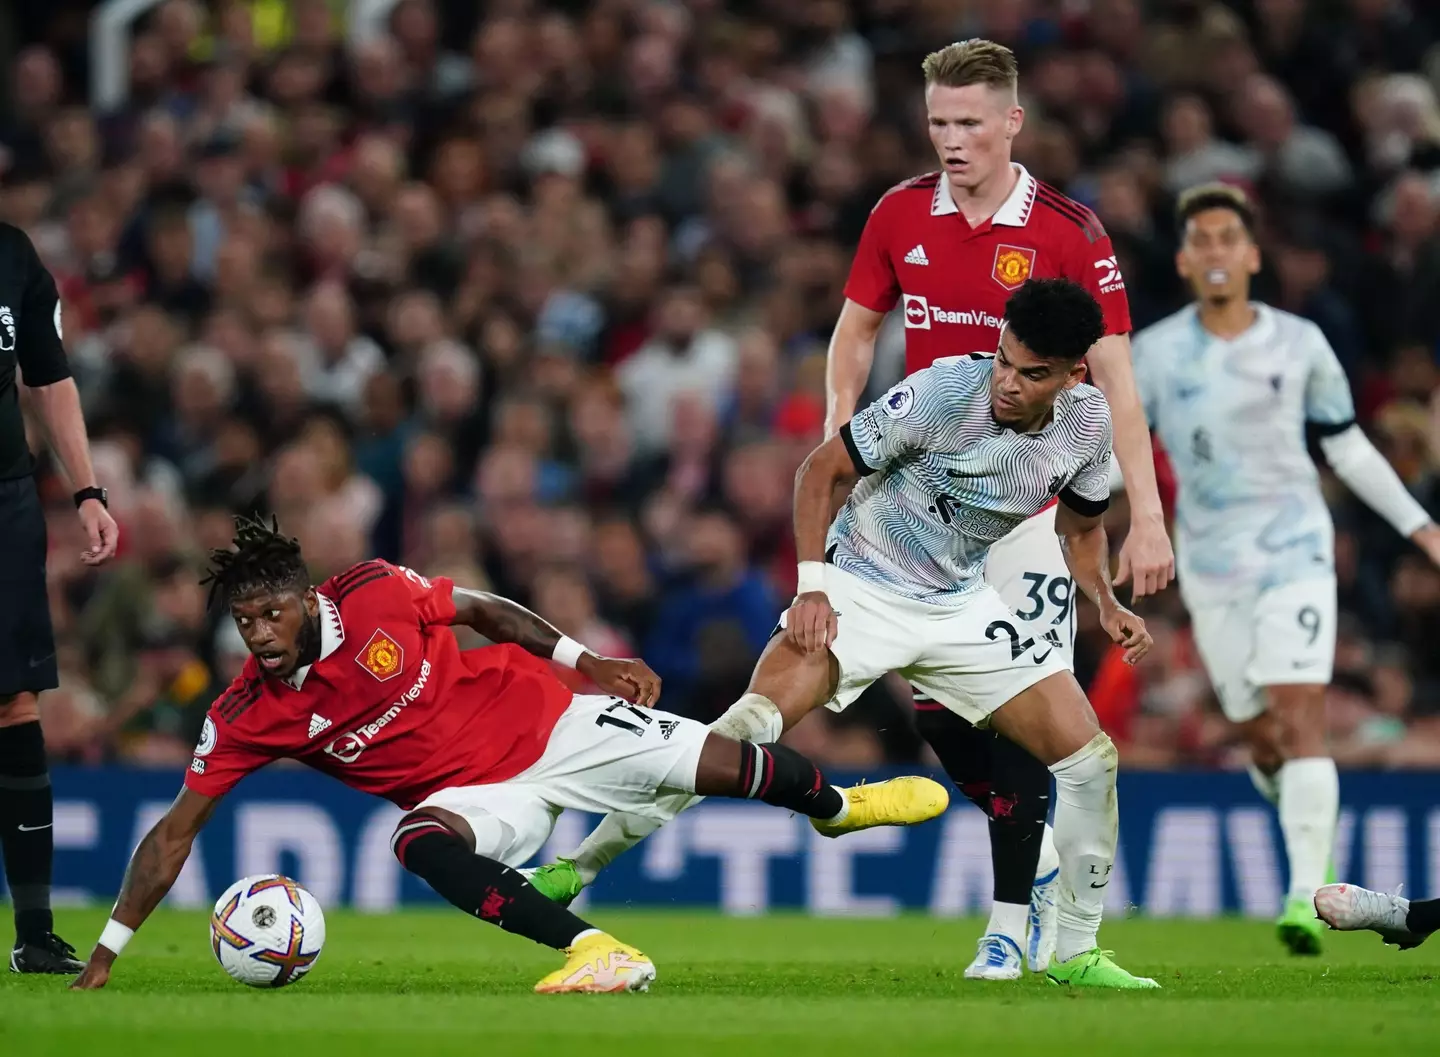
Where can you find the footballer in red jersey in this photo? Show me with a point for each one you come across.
(949, 248)
(362, 679)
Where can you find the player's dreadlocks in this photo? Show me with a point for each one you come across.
(262, 560)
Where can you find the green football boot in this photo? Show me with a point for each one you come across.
(1095, 969)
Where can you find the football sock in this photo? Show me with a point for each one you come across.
(484, 888)
(1267, 785)
(1006, 782)
(1019, 802)
(752, 718)
(1424, 916)
(1087, 822)
(27, 832)
(1309, 811)
(1009, 919)
(779, 775)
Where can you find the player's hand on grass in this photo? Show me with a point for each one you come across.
(96, 973)
(1147, 561)
(1128, 630)
(811, 623)
(1428, 540)
(101, 530)
(624, 677)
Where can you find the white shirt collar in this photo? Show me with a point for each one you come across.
(1014, 212)
(332, 634)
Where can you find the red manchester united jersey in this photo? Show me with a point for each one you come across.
(393, 706)
(952, 280)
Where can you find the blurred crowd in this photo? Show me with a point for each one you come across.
(536, 296)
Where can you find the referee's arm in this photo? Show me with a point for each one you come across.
(45, 371)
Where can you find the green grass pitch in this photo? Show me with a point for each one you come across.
(429, 983)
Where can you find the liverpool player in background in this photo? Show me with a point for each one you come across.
(949, 247)
(363, 680)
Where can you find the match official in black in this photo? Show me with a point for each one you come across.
(31, 333)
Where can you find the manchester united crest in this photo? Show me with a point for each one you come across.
(382, 656)
(1013, 265)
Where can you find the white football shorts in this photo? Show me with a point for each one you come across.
(603, 755)
(1276, 637)
(1028, 568)
(971, 658)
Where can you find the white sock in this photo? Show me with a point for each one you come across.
(1008, 919)
(753, 718)
(1267, 785)
(1049, 857)
(844, 806)
(585, 935)
(1087, 822)
(1309, 811)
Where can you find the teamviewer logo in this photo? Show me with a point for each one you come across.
(917, 312)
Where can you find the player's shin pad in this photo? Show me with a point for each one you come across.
(752, 718)
(1086, 832)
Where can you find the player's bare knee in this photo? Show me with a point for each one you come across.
(1297, 721)
(21, 708)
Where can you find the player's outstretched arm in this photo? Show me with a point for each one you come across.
(1370, 476)
(811, 622)
(847, 366)
(503, 621)
(152, 870)
(1087, 553)
(1146, 559)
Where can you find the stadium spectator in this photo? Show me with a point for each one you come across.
(539, 298)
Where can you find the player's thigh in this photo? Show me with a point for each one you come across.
(608, 755)
(27, 641)
(1226, 637)
(510, 821)
(978, 655)
(879, 632)
(1295, 628)
(1027, 568)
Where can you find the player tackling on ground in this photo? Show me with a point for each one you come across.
(948, 248)
(362, 679)
(1230, 386)
(948, 462)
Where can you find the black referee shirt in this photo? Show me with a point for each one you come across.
(30, 338)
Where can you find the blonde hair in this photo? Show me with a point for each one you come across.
(974, 61)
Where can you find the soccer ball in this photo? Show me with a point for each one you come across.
(267, 931)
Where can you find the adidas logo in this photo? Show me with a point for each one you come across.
(917, 256)
(317, 724)
(667, 727)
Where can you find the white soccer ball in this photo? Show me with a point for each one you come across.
(267, 931)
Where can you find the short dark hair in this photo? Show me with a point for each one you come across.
(263, 559)
(1214, 196)
(1055, 319)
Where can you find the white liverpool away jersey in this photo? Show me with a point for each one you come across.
(942, 480)
(1232, 417)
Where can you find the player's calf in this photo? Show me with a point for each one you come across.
(443, 854)
(773, 773)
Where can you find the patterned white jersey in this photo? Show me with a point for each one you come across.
(941, 480)
(1232, 417)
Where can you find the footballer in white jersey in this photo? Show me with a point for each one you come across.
(1230, 386)
(949, 461)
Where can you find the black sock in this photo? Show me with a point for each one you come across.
(1011, 786)
(27, 834)
(965, 751)
(1019, 800)
(779, 775)
(1424, 916)
(485, 888)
